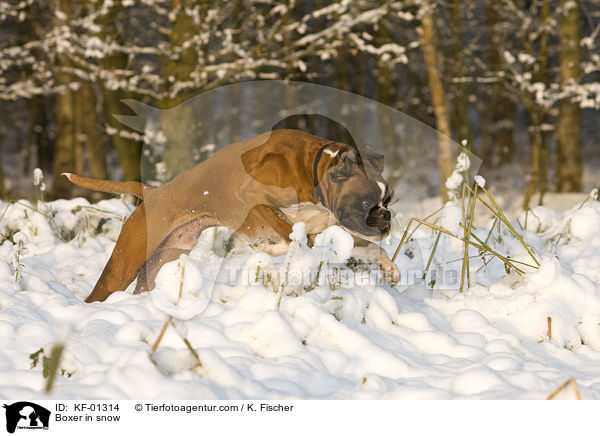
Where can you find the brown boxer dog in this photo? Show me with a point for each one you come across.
(259, 187)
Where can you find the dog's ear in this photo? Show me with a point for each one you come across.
(376, 159)
(341, 168)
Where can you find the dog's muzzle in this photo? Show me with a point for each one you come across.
(379, 217)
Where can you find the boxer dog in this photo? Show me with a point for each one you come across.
(260, 188)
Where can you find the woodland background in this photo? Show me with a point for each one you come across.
(517, 80)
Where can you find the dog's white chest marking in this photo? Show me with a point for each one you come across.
(382, 187)
(316, 217)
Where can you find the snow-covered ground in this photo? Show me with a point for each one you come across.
(267, 337)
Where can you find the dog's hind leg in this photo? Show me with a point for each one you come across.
(146, 279)
(128, 256)
(180, 241)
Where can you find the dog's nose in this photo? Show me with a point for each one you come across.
(385, 227)
(380, 217)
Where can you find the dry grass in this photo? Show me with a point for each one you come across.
(170, 321)
(559, 389)
(469, 200)
(54, 365)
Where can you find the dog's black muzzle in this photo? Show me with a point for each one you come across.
(379, 217)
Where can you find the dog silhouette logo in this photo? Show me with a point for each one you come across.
(26, 415)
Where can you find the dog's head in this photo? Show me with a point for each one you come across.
(357, 193)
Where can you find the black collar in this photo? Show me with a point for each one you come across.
(318, 190)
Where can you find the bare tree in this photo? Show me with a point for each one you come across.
(498, 124)
(106, 45)
(460, 103)
(68, 150)
(438, 96)
(568, 124)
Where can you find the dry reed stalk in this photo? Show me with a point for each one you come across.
(433, 250)
(181, 282)
(170, 318)
(189, 346)
(161, 334)
(53, 365)
(465, 267)
(497, 211)
(426, 218)
(572, 382)
(478, 246)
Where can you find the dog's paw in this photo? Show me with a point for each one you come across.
(391, 273)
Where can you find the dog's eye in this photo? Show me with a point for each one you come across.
(366, 204)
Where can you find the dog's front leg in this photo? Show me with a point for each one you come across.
(372, 252)
(267, 229)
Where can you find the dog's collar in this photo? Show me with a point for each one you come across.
(318, 190)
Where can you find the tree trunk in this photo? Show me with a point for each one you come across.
(91, 133)
(128, 149)
(66, 144)
(440, 107)
(40, 144)
(89, 137)
(538, 115)
(77, 125)
(66, 149)
(569, 167)
(2, 190)
(178, 122)
(460, 104)
(536, 154)
(498, 144)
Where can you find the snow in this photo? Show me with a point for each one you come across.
(336, 244)
(177, 292)
(455, 181)
(38, 176)
(267, 335)
(585, 223)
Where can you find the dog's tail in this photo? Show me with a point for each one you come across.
(136, 188)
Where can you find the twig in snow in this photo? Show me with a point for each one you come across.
(160, 335)
(188, 345)
(465, 267)
(433, 250)
(53, 365)
(564, 385)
